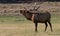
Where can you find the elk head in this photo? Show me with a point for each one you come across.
(26, 13)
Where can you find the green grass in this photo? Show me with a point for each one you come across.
(55, 18)
(11, 19)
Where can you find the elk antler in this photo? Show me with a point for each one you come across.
(36, 6)
(25, 8)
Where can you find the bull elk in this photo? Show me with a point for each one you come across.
(37, 17)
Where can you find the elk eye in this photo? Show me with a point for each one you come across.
(27, 11)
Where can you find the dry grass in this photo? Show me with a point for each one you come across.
(27, 29)
(51, 6)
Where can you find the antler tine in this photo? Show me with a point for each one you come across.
(25, 8)
(34, 6)
(38, 6)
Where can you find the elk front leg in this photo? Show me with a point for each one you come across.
(36, 27)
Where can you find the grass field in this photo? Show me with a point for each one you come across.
(12, 25)
(19, 26)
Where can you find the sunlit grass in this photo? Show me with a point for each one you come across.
(27, 29)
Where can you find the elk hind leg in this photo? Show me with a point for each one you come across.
(50, 25)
